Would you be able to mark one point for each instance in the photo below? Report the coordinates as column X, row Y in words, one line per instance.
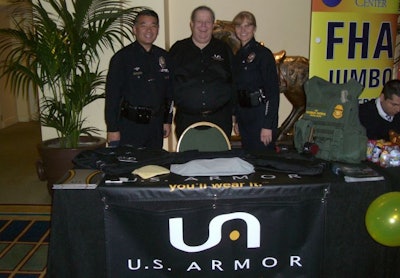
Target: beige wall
column 8, row 106
column 282, row 24
column 13, row 108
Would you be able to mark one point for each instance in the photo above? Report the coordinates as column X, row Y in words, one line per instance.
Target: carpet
column 24, row 240
column 19, row 182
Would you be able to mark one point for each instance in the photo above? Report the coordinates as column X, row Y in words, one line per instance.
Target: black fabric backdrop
column 290, row 227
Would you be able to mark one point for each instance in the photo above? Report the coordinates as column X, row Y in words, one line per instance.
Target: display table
column 264, row 224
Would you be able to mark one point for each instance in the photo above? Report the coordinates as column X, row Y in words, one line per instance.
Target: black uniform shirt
column 142, row 78
column 377, row 127
column 202, row 77
column 254, row 68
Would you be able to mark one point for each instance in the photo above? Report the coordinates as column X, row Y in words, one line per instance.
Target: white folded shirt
column 213, row 167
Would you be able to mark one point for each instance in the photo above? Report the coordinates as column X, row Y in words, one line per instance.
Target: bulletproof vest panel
column 331, row 121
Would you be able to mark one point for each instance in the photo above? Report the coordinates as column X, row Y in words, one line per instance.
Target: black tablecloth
column 78, row 236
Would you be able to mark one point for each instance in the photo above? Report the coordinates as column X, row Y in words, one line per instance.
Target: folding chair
column 204, row 137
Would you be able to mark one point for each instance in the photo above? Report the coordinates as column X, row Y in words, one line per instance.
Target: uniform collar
column 249, row 44
column 211, row 42
column 138, row 45
column 382, row 113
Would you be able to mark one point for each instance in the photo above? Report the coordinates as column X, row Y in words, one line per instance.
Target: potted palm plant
column 54, row 50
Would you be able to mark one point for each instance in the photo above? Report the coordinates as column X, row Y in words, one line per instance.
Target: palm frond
column 56, row 48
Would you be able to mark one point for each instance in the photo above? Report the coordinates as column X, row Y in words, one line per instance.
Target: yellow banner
column 354, row 39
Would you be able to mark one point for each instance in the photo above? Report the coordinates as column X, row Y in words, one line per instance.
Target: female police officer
column 256, row 80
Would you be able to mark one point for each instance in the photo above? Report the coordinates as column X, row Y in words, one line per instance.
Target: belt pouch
column 249, row 99
column 143, row 114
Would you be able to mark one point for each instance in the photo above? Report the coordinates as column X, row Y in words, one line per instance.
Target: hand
column 113, row 136
column 266, row 136
column 236, row 129
column 167, row 130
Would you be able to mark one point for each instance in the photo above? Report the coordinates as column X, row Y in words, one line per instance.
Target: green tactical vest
column 331, row 121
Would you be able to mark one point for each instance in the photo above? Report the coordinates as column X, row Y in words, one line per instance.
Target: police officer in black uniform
column 202, row 77
column 257, row 85
column 139, row 89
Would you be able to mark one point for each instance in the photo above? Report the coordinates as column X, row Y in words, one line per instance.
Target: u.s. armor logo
column 215, row 226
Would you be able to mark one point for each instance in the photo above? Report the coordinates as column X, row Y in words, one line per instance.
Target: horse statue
column 292, row 72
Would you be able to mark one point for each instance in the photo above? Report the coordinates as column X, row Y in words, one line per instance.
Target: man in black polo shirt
column 381, row 115
column 139, row 89
column 203, row 79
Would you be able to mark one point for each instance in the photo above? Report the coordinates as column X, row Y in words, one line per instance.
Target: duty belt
column 138, row 114
column 206, row 112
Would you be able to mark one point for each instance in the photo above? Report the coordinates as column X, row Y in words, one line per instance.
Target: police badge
column 251, row 57
column 163, row 64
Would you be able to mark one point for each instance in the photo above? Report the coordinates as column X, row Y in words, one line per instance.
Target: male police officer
column 139, row 89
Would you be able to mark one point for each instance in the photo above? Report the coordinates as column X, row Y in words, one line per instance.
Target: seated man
column 381, row 115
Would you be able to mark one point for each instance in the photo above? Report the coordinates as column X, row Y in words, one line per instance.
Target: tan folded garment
column 150, row 171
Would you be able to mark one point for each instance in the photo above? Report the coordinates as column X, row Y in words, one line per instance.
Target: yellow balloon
column 383, row 219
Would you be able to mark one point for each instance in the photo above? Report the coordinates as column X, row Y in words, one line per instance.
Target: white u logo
column 253, row 231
